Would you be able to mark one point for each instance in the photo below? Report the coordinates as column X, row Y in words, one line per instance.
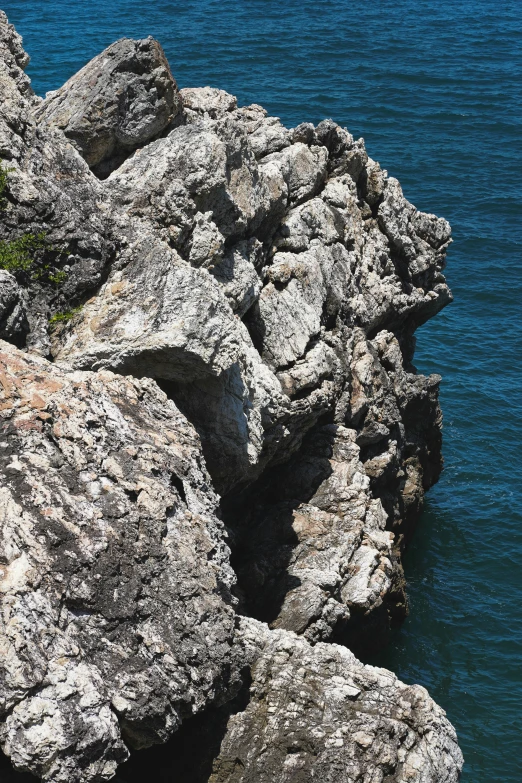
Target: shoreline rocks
column 218, row 304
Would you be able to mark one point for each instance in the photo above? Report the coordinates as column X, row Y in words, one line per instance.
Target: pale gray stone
column 117, row 619
column 207, row 100
column 317, row 713
column 119, row 101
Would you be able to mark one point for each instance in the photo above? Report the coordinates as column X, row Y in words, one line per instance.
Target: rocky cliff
column 214, row 443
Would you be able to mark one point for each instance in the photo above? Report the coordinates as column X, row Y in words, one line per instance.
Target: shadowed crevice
column 189, row 755
column 9, row 775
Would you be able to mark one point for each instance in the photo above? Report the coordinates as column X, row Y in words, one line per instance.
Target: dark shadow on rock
column 261, row 518
column 256, row 327
column 9, row 775
column 366, row 632
column 215, row 407
column 189, row 755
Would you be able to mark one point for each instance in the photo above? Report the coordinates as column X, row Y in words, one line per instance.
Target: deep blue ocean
column 436, row 91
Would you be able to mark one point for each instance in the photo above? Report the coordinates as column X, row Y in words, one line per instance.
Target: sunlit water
column 436, row 91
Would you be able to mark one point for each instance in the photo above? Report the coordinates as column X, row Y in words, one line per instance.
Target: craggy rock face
column 13, row 316
column 114, row 576
column 49, row 190
column 122, row 99
column 316, row 713
column 256, row 289
column 281, row 228
column 318, row 538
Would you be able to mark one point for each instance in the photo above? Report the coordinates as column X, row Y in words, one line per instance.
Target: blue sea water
column 436, row 91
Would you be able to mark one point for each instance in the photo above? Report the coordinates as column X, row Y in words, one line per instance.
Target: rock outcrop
column 212, row 303
column 122, row 99
column 117, row 617
column 316, row 713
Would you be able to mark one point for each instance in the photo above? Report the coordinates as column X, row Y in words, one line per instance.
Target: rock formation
column 119, row 101
column 317, row 713
column 208, row 303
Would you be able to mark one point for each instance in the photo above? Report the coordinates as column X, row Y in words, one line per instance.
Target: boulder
column 118, row 102
column 317, row 713
column 117, row 618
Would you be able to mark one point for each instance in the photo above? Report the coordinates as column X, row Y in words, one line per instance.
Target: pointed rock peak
column 119, row 101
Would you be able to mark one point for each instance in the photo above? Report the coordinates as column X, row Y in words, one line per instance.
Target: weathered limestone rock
column 154, row 304
column 297, row 271
column 318, row 540
column 117, row 618
column 207, row 100
column 317, row 713
column 120, row 100
column 270, row 280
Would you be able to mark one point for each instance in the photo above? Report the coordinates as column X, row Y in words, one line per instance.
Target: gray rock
column 319, row 538
column 117, row 618
column 318, row 549
column 154, row 304
column 119, row 101
column 13, row 58
column 238, row 274
column 265, row 134
column 317, row 713
column 305, row 262
column 13, row 319
column 271, row 281
column 207, row 101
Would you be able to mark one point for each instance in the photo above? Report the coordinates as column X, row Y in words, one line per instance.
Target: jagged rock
column 13, row 318
column 119, row 101
column 317, row 713
column 49, row 191
column 314, row 546
column 117, row 619
column 194, row 189
column 318, row 539
column 398, row 419
column 271, row 281
column 13, row 58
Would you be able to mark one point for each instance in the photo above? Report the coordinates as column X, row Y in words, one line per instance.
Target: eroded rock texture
column 216, row 303
column 316, row 713
column 122, row 99
column 117, row 617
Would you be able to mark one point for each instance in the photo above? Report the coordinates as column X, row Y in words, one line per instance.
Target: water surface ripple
column 436, row 91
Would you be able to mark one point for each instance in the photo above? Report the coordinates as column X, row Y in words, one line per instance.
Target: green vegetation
column 17, row 256
column 58, row 318
column 49, row 274
column 3, row 183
